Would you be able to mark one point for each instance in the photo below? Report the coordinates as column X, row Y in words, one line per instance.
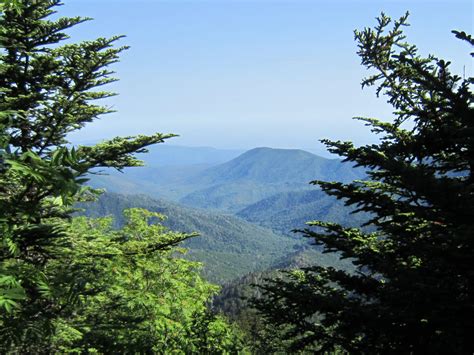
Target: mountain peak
column 270, row 165
column 268, row 150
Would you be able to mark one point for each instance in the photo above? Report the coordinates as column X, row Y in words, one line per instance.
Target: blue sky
column 241, row 74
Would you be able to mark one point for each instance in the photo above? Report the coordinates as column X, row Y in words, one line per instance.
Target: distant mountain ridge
column 260, row 173
column 166, row 171
column 271, row 165
column 175, row 155
column 201, row 180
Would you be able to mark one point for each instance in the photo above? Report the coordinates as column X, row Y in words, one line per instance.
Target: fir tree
column 48, row 90
column 413, row 288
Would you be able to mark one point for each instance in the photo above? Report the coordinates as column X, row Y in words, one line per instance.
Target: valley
column 243, row 206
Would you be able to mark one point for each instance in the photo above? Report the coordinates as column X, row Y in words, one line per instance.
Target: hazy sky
column 241, row 74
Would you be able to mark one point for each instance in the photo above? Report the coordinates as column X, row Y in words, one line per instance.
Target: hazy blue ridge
column 260, row 173
column 172, row 155
column 270, row 165
column 231, row 186
column 175, row 155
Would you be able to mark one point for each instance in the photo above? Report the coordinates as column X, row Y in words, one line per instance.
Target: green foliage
column 232, row 301
column 11, row 292
column 413, row 292
column 143, row 297
column 126, row 290
column 235, row 299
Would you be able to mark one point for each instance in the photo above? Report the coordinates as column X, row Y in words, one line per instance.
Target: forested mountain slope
column 286, row 211
column 233, row 299
column 228, row 246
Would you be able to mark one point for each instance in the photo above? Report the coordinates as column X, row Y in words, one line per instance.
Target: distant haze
column 243, row 74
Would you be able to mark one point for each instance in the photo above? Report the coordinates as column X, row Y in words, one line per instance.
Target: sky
column 251, row 73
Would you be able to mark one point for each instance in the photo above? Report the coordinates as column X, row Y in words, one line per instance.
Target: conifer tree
column 413, row 287
column 48, row 90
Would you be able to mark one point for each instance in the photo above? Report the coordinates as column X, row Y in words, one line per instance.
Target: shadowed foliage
column 413, row 292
